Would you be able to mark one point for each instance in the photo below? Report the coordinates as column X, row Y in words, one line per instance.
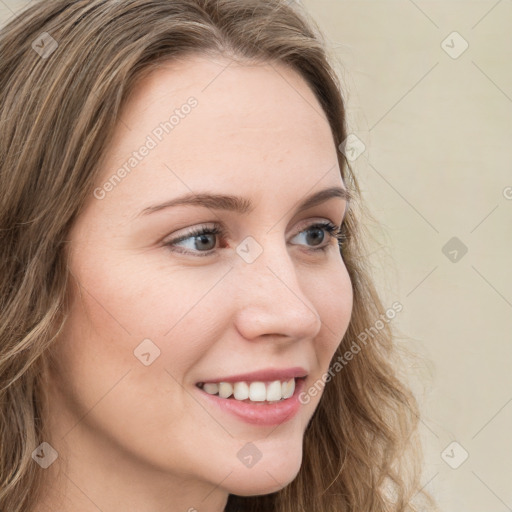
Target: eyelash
column 332, row 230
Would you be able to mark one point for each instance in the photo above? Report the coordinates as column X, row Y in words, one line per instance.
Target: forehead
column 225, row 86
column 232, row 98
column 250, row 124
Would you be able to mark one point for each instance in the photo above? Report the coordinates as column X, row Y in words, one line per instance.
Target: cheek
column 332, row 295
column 121, row 312
column 137, row 295
column 104, row 383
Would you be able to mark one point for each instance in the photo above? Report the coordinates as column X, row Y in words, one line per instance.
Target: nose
column 271, row 301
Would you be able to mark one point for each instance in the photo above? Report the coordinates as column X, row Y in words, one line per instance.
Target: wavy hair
column 57, row 116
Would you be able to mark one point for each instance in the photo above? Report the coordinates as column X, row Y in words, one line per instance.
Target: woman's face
column 158, row 308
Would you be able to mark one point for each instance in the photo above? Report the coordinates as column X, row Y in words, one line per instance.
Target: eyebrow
column 240, row 204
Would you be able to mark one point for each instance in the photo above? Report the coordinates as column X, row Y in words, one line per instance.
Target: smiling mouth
column 257, row 392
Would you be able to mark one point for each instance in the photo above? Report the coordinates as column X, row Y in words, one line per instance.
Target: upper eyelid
column 221, row 232
column 190, row 232
column 333, row 229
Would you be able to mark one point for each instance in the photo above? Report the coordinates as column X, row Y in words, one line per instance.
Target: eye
column 202, row 241
column 320, row 235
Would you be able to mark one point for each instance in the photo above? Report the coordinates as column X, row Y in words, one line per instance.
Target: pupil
column 203, row 240
column 318, row 236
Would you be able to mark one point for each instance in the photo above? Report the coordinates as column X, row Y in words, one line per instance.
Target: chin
column 270, row 474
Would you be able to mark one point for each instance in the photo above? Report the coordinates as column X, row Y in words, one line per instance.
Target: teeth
column 225, row 389
column 241, row 391
column 211, row 387
column 288, row 388
column 274, row 391
column 255, row 391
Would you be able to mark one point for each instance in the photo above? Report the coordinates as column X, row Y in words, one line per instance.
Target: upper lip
column 265, row 375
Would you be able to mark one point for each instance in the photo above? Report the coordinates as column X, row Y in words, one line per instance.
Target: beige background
column 436, row 165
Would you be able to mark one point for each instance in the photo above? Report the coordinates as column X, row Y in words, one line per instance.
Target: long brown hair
column 59, row 103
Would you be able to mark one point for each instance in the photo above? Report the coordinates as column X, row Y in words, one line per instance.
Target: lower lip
column 260, row 413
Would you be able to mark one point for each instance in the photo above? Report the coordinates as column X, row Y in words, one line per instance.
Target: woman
column 141, row 370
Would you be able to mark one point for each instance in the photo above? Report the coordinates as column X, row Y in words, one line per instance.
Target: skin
column 135, row 437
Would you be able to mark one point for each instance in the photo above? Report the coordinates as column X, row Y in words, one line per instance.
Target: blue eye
column 316, row 234
column 200, row 238
column 202, row 241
